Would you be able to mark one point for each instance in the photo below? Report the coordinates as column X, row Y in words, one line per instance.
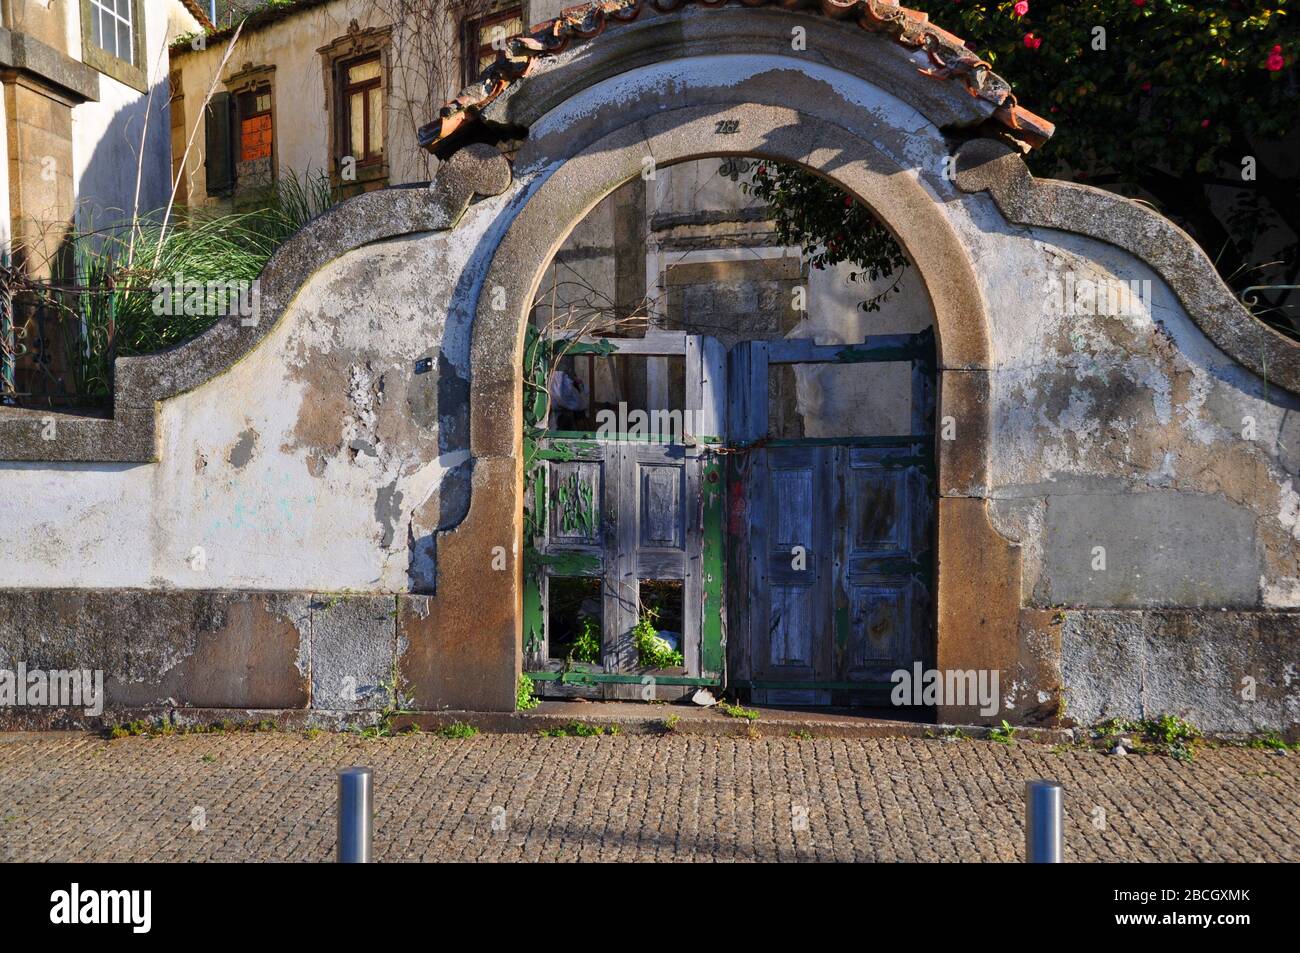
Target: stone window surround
column 356, row 43
column 130, row 74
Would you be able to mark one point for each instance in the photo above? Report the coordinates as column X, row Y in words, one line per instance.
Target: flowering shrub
column 1172, row 102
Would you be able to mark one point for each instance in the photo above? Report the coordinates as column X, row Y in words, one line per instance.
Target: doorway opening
column 729, row 445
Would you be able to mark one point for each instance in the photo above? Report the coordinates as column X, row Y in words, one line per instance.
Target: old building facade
column 333, row 88
column 79, row 80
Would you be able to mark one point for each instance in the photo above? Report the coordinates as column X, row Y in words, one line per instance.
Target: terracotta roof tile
column 949, row 58
column 198, row 13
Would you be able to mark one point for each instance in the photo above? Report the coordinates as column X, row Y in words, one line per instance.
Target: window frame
column 241, row 115
column 357, row 44
column 472, row 50
column 128, row 72
column 251, row 81
column 347, row 90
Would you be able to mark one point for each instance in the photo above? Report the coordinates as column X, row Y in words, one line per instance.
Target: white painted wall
column 109, row 136
column 243, row 497
column 1171, row 419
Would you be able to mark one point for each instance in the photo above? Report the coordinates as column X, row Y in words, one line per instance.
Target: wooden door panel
column 880, row 616
column 790, row 504
column 859, row 508
column 791, row 623
column 662, row 495
column 576, row 502
column 879, row 511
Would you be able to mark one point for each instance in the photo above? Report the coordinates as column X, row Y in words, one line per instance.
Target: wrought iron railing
column 56, row 341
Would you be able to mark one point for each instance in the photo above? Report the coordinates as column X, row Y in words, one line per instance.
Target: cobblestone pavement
column 270, row 796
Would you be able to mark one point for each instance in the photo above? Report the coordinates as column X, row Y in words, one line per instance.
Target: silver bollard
column 1043, row 824
column 355, row 806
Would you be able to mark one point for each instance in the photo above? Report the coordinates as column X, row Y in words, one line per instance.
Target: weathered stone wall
column 367, row 442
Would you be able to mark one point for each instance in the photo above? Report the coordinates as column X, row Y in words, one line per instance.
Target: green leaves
column 651, row 650
column 828, row 225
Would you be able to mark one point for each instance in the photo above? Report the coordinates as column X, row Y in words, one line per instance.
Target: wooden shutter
column 219, row 153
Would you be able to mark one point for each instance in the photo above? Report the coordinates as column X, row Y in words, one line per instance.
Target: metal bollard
column 355, row 807
column 1043, row 824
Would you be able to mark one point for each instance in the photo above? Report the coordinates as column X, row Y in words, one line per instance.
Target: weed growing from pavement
column 458, row 729
column 399, row 702
column 1004, row 733
column 526, row 694
column 1167, row 734
column 162, row 728
column 738, row 711
column 581, row 729
column 1271, row 741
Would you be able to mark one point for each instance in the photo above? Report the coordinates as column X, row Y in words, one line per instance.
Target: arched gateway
column 1110, row 536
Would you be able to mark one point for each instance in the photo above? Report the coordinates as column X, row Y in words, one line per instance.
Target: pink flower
column 1205, row 124
column 1139, row 3
column 1032, row 42
column 1146, row 87
column 1275, row 59
column 1021, row 8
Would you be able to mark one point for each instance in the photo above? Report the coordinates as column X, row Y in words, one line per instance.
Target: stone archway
column 589, row 142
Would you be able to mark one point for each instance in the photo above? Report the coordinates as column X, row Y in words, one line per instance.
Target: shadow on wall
column 107, row 187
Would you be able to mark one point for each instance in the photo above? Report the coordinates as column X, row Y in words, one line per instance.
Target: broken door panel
column 627, row 507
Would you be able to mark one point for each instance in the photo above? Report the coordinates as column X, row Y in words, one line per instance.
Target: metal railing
column 56, row 341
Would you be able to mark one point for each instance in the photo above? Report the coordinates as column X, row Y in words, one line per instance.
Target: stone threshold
column 629, row 718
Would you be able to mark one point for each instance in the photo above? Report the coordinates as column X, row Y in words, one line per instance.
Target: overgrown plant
column 586, row 647
column 135, row 287
column 652, row 650
column 526, row 694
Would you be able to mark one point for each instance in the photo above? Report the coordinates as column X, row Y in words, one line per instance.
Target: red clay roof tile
column 948, row 55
